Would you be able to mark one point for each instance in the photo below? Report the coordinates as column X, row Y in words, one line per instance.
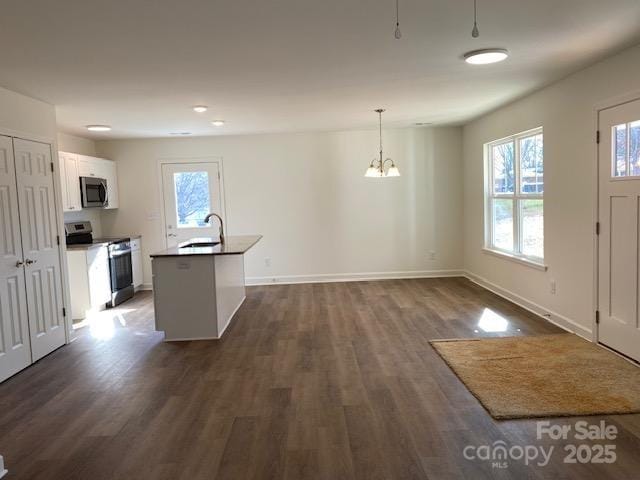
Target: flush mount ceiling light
column 200, row 108
column 218, row 123
column 376, row 167
column 486, row 56
column 98, row 128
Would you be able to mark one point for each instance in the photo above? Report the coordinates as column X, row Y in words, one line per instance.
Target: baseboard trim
column 558, row 320
column 350, row 277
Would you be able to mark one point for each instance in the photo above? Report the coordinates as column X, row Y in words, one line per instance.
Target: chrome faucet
column 208, row 217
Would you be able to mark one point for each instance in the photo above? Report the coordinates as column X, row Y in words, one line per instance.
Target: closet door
column 15, row 351
column 39, row 231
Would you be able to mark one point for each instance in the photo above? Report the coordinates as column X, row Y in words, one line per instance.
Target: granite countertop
column 99, row 242
column 233, row 245
column 87, row 246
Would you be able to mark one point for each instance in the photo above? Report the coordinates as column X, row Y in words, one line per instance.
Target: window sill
column 514, row 258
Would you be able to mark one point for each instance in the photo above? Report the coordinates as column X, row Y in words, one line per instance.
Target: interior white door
column 15, row 349
column 39, row 231
column 190, row 191
column 619, row 242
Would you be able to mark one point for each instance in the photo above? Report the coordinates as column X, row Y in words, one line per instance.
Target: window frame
column 517, row 198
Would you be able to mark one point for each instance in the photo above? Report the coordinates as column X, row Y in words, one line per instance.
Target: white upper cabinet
column 111, row 175
column 69, row 179
column 73, row 166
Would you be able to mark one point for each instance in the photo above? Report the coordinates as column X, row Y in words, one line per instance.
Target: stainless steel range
column 119, row 249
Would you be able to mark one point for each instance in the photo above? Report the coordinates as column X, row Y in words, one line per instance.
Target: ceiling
column 292, row 65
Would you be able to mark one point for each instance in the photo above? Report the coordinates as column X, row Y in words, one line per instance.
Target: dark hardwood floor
column 330, row 381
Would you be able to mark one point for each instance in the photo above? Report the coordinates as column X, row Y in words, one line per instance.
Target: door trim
column 177, row 160
column 597, row 109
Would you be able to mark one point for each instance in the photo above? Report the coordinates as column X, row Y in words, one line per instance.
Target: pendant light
column 398, row 33
column 475, row 33
column 376, row 167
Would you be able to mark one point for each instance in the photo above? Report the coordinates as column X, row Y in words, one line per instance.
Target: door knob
column 171, row 235
column 19, row 263
column 28, row 261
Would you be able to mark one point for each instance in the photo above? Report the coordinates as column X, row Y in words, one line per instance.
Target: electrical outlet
column 432, row 255
column 552, row 287
column 267, row 262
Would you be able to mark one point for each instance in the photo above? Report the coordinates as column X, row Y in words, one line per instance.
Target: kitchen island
column 198, row 286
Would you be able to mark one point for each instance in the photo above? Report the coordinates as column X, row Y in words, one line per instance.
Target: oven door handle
column 119, row 253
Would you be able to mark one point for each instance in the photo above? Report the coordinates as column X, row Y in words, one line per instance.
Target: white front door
column 39, row 229
column 619, row 241
column 191, row 191
column 15, row 350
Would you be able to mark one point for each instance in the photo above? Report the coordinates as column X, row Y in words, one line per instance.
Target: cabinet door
column 112, row 183
column 15, row 349
column 136, row 265
column 63, row 181
column 39, row 229
column 99, row 277
column 72, row 182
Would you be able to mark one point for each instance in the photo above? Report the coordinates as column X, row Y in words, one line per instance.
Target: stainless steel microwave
column 94, row 192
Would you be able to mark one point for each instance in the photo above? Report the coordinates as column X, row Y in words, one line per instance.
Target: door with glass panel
column 619, row 213
column 191, row 191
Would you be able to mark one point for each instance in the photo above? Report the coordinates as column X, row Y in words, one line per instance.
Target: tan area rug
column 543, row 376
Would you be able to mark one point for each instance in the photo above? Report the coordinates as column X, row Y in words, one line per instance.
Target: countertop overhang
column 233, row 245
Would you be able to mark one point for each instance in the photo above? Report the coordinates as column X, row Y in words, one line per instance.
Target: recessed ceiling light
column 218, row 123
column 200, row 108
column 483, row 57
column 98, row 128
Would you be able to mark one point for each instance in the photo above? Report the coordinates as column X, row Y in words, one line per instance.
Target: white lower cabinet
column 89, row 280
column 136, row 263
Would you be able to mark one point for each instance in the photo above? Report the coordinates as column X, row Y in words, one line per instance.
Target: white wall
column 82, row 146
column 307, row 195
column 74, row 144
column 28, row 117
column 566, row 111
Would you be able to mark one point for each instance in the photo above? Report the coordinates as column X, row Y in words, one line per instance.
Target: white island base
column 196, row 296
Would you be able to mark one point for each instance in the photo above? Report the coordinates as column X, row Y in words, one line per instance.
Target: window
column 515, row 189
column 626, row 150
column 192, row 198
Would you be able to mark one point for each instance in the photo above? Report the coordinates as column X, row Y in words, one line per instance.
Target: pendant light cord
column 397, row 33
column 380, row 123
column 475, row 33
